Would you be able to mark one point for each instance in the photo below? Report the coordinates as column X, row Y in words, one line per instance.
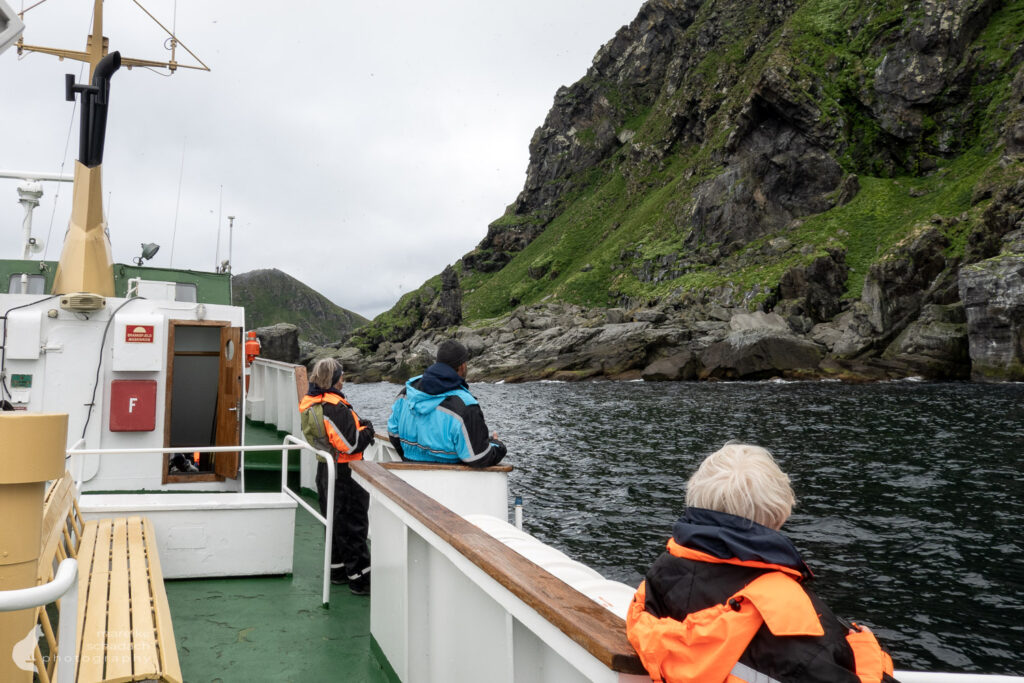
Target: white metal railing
column 328, row 522
column 63, row 587
column 429, row 565
column 272, row 396
column 928, row 677
column 290, row 444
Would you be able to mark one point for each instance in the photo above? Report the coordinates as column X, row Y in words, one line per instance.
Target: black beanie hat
column 452, row 353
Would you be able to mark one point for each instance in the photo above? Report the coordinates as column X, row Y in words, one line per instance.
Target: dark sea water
column 910, row 495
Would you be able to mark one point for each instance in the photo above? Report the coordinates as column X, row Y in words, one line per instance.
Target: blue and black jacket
column 436, row 419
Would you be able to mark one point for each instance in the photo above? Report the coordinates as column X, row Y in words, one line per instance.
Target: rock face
column 279, row 342
column 750, row 191
column 993, row 296
column 759, row 354
column 448, row 309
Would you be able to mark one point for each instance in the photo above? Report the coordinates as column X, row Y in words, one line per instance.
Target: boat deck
column 274, row 628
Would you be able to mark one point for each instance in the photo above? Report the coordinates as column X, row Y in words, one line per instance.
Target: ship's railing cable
column 24, row 9
column 99, row 363
column 3, row 347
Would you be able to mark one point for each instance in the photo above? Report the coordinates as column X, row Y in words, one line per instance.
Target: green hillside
column 271, row 296
column 709, row 133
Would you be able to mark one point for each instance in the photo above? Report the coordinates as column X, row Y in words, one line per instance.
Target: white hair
column 745, row 481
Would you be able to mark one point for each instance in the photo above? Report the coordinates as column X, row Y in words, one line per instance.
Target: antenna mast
column 96, row 47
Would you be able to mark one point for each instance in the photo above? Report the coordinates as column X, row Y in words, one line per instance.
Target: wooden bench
column 61, row 535
column 124, row 621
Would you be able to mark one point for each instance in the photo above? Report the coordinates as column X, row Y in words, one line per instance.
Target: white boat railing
column 928, row 677
column 328, row 520
column 433, row 569
column 273, row 396
column 290, row 444
column 64, row 586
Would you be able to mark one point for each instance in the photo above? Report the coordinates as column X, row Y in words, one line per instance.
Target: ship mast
column 86, row 267
column 97, row 46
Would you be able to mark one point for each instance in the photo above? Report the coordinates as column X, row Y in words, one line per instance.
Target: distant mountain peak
column 272, row 296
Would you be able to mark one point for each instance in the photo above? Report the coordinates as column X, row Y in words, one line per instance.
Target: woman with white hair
column 728, row 600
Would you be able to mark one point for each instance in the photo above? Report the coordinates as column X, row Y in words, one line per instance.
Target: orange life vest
column 707, row 645
column 331, row 437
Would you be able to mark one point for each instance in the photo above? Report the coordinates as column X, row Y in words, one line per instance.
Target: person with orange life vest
column 329, row 423
column 728, row 601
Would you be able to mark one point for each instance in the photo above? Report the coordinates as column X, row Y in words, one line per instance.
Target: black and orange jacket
column 345, row 433
column 728, row 602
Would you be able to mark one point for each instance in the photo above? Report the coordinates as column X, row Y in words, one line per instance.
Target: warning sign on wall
column 138, row 334
column 133, row 405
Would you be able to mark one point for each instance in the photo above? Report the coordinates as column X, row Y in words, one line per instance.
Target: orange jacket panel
column 869, row 657
column 705, row 646
column 341, row 445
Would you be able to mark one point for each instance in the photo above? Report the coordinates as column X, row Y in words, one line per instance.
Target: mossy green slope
column 271, row 296
column 619, row 233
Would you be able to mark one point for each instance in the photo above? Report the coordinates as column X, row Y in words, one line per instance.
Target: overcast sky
column 361, row 146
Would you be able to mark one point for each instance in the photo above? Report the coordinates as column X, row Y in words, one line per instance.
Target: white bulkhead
column 137, row 373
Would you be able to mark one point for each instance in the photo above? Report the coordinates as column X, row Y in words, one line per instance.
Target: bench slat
column 119, row 625
column 164, row 631
column 56, row 508
column 143, row 629
column 124, row 622
column 93, row 603
column 85, row 550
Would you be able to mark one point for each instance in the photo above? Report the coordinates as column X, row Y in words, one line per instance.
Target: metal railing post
column 64, row 587
column 332, row 472
column 328, row 519
column 67, row 636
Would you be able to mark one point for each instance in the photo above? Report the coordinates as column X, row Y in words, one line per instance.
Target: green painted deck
column 263, row 470
column 274, row 628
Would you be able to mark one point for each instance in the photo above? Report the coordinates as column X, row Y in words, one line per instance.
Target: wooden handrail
column 410, row 465
column 594, row 628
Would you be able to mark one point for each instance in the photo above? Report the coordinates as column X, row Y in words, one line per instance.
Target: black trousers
column 351, row 501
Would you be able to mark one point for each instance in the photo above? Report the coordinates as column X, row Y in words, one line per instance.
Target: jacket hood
column 727, row 536
column 426, row 392
column 440, row 378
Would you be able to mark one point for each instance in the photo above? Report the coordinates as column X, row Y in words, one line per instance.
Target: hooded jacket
column 341, row 431
column 729, row 602
column 436, row 419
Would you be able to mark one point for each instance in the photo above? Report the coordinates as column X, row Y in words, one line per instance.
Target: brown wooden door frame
column 229, row 468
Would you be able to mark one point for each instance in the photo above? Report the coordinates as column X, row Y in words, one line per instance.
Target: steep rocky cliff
column 271, row 296
column 848, row 171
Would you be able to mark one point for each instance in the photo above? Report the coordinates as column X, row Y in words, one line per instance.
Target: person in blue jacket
column 436, row 419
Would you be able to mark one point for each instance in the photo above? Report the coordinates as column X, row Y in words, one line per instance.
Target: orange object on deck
column 252, row 347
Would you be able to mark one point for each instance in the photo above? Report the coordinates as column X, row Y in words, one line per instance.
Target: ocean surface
column 910, row 494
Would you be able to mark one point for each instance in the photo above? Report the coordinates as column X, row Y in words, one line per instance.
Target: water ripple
column 910, row 493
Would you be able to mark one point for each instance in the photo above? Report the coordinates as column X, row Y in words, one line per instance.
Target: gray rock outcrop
column 279, row 342
column 993, row 296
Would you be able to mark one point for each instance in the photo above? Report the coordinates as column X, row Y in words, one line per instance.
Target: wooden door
column 229, row 401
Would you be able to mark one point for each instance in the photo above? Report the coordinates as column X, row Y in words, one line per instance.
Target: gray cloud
column 361, row 146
